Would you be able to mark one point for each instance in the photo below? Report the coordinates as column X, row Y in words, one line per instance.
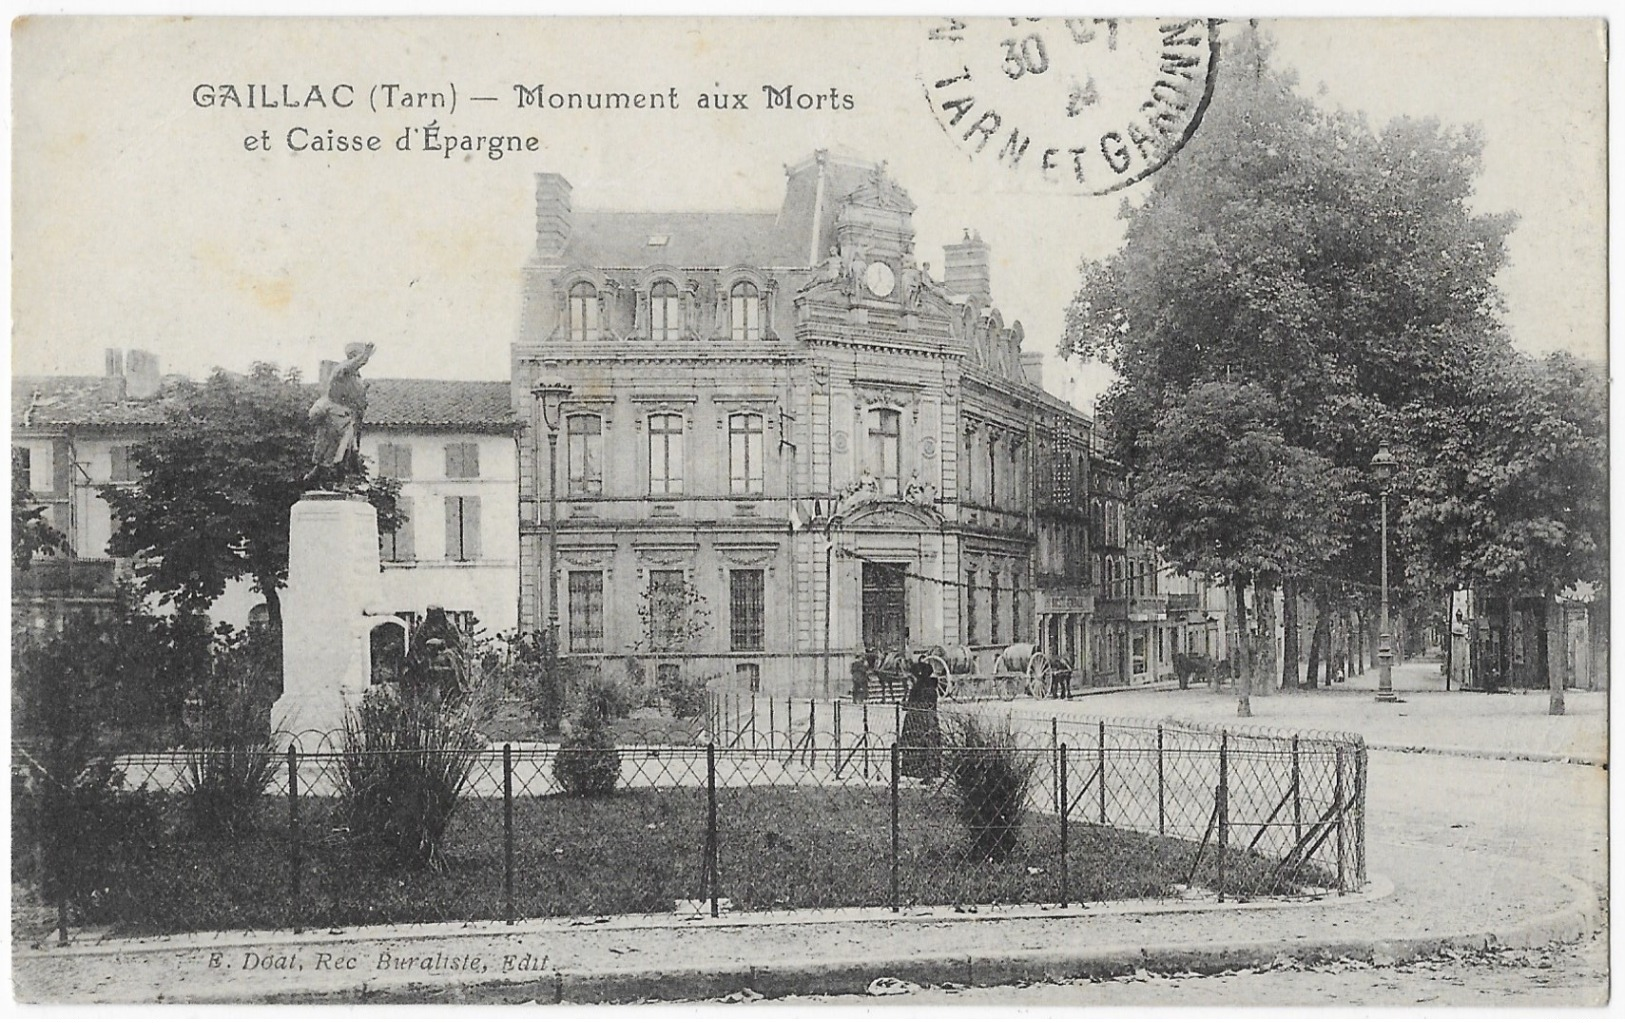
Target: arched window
column 665, row 312
column 885, row 444
column 585, row 439
column 583, row 312
column 745, row 312
column 745, row 453
column 665, row 453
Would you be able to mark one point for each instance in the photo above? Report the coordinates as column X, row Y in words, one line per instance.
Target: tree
column 1339, row 267
column 31, row 532
column 215, row 488
column 1512, row 490
column 1220, row 491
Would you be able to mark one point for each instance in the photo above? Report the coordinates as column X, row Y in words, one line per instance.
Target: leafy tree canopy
column 31, row 532
column 216, row 485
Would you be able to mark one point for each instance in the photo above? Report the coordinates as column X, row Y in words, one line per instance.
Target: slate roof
column 475, row 406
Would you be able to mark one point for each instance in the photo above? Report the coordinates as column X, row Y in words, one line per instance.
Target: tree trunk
column 1267, row 673
column 273, row 605
column 1289, row 635
column 1317, row 646
column 1552, row 654
column 1244, row 681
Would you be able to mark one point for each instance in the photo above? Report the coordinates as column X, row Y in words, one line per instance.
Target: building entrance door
column 885, row 607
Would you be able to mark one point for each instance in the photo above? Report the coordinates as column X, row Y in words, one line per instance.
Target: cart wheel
column 1038, row 681
column 939, row 668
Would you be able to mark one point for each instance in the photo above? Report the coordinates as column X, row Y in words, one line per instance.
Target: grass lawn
column 641, row 850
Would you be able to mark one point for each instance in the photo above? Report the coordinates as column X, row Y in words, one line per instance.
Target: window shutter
column 454, row 462
column 454, row 536
column 471, row 527
column 404, row 550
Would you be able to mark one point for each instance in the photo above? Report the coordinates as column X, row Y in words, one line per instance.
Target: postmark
column 1083, row 105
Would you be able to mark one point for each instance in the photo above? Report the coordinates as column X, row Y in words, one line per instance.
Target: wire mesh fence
column 781, row 806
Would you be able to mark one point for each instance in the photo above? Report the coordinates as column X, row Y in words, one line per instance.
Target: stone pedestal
column 333, row 582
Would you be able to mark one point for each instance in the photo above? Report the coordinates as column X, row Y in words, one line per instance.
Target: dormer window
column 665, row 312
column 745, row 312
column 582, row 322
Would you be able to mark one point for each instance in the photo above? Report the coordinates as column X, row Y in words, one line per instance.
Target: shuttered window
column 462, row 528
column 397, row 546
column 462, row 461
column 395, row 461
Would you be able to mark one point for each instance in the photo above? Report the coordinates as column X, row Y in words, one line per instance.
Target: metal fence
column 810, row 805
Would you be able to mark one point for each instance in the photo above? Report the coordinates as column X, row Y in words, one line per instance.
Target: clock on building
column 879, row 279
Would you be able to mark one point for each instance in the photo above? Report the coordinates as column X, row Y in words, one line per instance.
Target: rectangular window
column 462, row 461
column 666, row 611
column 747, row 609
column 22, row 467
column 885, row 439
column 462, row 528
column 33, row 464
column 397, row 546
column 745, row 453
column 666, row 453
column 123, row 465
column 586, row 612
column 748, row 677
column 1017, row 633
column 395, row 461
column 1138, row 656
column 585, row 441
column 970, row 608
column 993, row 608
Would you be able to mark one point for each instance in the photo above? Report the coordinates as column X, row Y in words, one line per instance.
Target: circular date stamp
column 1085, row 105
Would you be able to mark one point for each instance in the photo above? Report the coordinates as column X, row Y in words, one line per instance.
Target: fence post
column 294, row 866
column 1101, row 746
column 1297, row 802
column 789, row 725
column 837, row 714
column 1223, row 799
column 1063, row 806
column 812, row 733
column 894, row 781
column 712, row 871
column 507, row 829
column 866, row 762
column 753, row 742
column 1337, row 796
column 1162, row 812
column 897, row 723
column 1360, row 780
column 1055, row 757
column 772, row 726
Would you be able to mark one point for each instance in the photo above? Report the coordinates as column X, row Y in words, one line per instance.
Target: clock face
column 879, row 279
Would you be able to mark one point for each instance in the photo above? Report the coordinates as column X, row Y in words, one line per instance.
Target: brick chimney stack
column 552, row 216
column 967, row 270
column 141, row 376
column 112, row 386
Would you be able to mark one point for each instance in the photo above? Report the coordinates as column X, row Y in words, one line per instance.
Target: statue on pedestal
column 337, row 416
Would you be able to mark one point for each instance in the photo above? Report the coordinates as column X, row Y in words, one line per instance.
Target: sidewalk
column 1508, row 725
column 1430, row 897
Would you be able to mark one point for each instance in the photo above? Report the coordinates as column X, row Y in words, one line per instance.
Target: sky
column 140, row 220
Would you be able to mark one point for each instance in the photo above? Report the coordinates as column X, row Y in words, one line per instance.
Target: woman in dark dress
column 920, row 755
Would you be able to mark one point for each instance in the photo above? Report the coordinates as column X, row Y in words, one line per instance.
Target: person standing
column 920, row 745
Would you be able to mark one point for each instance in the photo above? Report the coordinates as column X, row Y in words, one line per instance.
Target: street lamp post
column 1382, row 467
column 551, row 397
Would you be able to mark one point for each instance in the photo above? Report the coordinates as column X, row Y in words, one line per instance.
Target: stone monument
column 333, row 597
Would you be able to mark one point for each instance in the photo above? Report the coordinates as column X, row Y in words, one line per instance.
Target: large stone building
column 787, row 439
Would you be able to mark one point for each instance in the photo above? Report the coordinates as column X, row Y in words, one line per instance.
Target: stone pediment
column 890, row 512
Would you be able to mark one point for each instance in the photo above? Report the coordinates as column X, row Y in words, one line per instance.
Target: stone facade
column 788, row 440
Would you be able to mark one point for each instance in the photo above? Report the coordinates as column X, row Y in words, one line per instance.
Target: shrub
column 403, row 773
column 588, row 764
column 991, row 779
column 90, row 834
column 684, row 695
column 232, row 761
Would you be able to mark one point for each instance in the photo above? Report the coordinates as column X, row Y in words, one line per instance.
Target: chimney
column 112, row 387
column 967, row 270
column 141, row 377
column 552, row 216
column 1032, row 366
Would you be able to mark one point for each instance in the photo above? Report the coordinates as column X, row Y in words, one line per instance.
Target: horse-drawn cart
column 1018, row 670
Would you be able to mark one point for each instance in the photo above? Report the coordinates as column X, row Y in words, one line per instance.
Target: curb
column 814, row 976
column 1477, row 754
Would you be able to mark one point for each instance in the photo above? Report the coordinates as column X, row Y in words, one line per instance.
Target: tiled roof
column 480, row 406
column 616, row 238
column 50, row 401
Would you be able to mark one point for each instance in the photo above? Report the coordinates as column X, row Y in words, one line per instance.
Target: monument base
column 333, row 581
